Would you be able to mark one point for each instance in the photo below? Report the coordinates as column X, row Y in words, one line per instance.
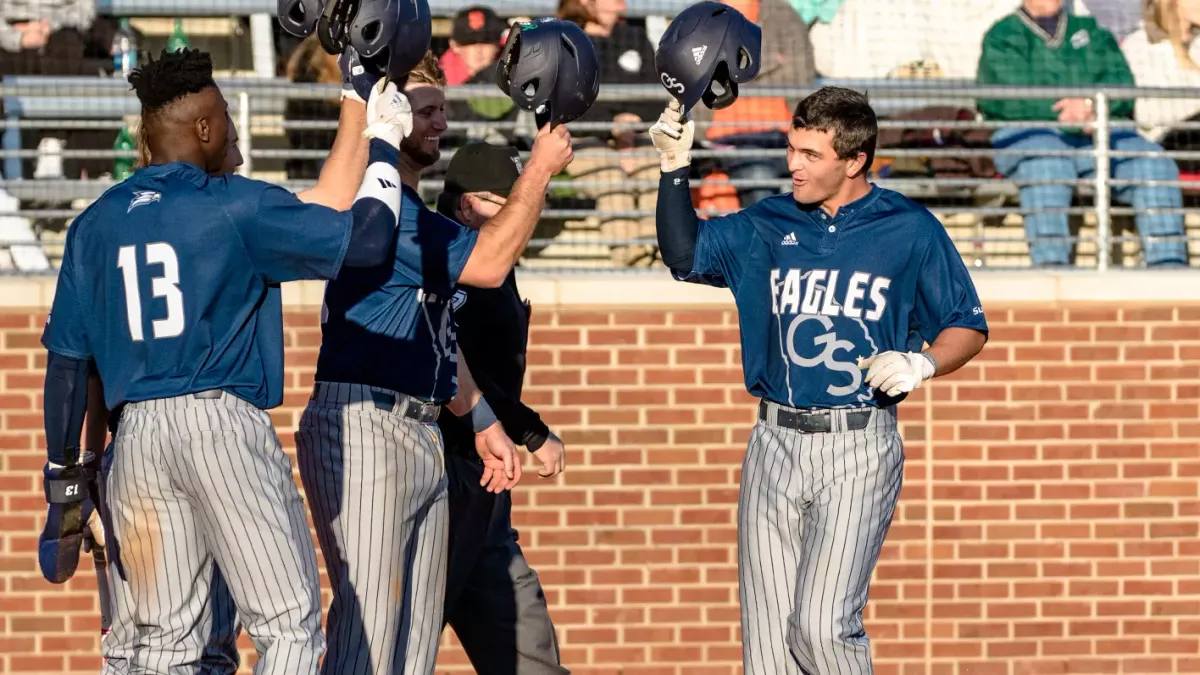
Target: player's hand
column 71, row 519
column 389, row 114
column 896, row 373
column 553, row 456
column 501, row 470
column 672, row 135
column 552, row 150
column 356, row 81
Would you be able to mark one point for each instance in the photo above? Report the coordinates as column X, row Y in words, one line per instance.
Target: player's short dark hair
column 171, row 77
column 846, row 114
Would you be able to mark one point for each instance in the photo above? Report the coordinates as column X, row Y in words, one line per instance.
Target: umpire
column 494, row 601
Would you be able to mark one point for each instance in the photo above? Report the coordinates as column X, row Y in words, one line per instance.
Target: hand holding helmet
column 552, row 150
column 672, row 135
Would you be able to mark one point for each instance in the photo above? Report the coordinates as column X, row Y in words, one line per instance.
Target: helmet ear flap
column 377, row 65
column 508, row 58
column 299, row 17
column 722, row 91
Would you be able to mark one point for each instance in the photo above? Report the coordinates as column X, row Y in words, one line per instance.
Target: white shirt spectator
column 869, row 39
column 1155, row 64
column 57, row 14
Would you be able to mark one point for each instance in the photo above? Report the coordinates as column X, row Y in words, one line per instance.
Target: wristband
column 932, row 362
column 481, row 416
column 538, row 441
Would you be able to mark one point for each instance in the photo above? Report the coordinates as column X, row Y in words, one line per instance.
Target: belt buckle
column 427, row 412
column 814, row 421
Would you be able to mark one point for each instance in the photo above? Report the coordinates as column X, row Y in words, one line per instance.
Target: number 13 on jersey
column 165, row 285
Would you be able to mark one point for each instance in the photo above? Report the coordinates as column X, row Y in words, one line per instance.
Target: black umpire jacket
column 493, row 336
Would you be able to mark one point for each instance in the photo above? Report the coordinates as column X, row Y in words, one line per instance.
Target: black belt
column 424, row 412
column 813, row 421
column 114, row 415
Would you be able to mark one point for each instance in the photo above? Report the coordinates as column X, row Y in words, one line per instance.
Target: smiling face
column 817, row 171
column 429, row 123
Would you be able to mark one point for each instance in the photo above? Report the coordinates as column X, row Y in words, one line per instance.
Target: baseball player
column 169, row 284
column 838, row 285
column 369, row 451
column 216, row 630
column 494, row 600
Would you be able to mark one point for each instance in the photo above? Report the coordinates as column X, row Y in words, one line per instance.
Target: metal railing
column 257, row 106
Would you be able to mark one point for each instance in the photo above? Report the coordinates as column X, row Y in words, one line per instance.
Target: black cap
column 477, row 25
column 483, row 167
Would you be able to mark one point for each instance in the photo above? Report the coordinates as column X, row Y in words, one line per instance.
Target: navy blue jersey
column 170, row 282
column 392, row 326
column 815, row 293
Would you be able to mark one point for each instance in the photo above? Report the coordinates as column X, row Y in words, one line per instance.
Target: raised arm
column 503, row 238
column 675, row 217
column 346, row 165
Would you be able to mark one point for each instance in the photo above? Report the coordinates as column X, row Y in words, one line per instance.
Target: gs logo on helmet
column 671, row 83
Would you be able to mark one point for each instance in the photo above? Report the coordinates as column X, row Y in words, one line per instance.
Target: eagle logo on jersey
column 142, row 198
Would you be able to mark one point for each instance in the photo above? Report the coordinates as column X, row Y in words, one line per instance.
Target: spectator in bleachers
column 476, row 36
column 310, row 63
column 1120, row 17
column 1164, row 52
column 626, row 56
column 28, row 26
column 868, row 39
column 762, row 123
column 58, row 37
column 474, row 44
column 1040, row 44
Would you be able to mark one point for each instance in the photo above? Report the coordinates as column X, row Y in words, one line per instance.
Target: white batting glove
column 672, row 136
column 896, row 373
column 389, row 114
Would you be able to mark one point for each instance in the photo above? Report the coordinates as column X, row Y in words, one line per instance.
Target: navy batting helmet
column 549, row 66
column 390, row 36
column 299, row 17
column 708, row 49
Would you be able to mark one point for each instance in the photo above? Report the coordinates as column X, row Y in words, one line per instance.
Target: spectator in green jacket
column 1040, row 44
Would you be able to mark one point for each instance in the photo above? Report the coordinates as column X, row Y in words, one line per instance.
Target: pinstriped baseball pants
column 193, row 483
column 376, row 484
column 813, row 512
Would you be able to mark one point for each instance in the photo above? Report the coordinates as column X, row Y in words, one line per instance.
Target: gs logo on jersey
column 821, row 330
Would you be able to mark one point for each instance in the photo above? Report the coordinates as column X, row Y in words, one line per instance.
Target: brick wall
column 1048, row 522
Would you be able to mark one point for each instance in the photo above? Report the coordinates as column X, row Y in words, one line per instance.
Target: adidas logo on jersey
column 698, row 53
column 789, row 239
column 385, row 184
column 142, row 198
